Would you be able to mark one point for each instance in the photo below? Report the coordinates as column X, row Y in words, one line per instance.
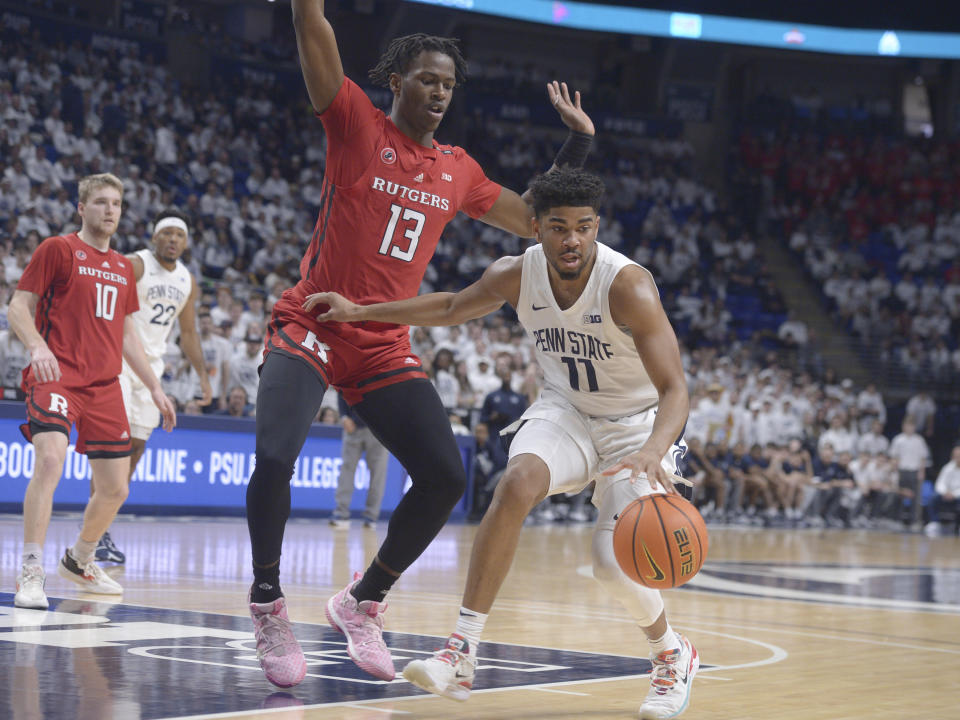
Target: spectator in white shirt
column 217, row 351
column 873, row 442
column 912, row 456
column 275, row 186
column 444, row 378
column 839, row 436
column 792, row 332
column 946, row 494
column 483, row 379
column 715, row 410
column 244, row 364
column 921, row 408
column 871, row 407
column 38, row 168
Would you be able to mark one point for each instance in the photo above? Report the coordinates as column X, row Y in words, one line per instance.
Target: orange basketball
column 660, row 541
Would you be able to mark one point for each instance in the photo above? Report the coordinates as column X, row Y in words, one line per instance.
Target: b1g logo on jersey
column 589, row 319
column 388, row 155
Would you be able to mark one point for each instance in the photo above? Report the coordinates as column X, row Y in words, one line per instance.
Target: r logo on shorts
column 58, row 404
column 311, row 343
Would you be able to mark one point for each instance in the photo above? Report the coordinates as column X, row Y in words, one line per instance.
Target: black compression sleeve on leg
column 288, row 399
column 409, row 419
column 574, row 151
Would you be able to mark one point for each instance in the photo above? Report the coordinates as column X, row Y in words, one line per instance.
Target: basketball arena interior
column 789, row 175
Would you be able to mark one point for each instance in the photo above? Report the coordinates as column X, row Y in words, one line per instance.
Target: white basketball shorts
column 576, row 448
column 142, row 414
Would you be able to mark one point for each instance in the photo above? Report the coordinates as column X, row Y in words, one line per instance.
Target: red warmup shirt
column 85, row 295
column 385, row 201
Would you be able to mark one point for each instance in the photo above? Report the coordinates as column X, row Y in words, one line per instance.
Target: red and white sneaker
column 449, row 672
column 362, row 623
column 671, row 682
column 278, row 651
column 88, row 576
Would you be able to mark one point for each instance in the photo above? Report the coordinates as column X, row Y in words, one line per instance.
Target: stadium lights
column 717, row 28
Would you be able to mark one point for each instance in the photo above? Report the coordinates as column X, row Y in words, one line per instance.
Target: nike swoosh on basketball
column 544, row 307
column 653, row 565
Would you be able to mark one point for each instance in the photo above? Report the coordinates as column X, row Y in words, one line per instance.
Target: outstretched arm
column 635, row 304
column 499, row 283
column 512, row 212
column 319, row 56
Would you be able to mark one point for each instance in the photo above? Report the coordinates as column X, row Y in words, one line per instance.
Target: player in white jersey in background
column 612, row 409
column 166, row 291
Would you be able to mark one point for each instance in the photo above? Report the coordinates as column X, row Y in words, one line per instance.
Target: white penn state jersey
column 162, row 294
column 585, row 356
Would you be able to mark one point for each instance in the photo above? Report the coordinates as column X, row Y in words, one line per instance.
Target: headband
column 170, row 222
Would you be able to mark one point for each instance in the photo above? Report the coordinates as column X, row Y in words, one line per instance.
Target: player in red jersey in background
column 72, row 310
column 389, row 191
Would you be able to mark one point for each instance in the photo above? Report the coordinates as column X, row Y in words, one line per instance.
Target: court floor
column 811, row 624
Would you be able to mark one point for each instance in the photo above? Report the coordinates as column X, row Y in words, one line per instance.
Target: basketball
column 660, row 541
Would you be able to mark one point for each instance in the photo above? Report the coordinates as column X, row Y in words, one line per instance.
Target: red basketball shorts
column 351, row 369
column 98, row 413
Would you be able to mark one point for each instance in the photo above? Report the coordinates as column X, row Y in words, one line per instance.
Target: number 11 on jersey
column 591, row 373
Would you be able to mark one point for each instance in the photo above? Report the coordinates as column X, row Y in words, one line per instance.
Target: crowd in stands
column 875, row 221
column 769, row 442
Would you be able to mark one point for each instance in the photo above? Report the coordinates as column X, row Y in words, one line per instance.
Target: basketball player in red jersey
column 72, row 310
column 388, row 192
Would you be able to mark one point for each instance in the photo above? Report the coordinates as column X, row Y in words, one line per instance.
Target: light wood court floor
column 790, row 624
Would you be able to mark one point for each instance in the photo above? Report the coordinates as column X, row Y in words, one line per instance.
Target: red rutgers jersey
column 85, row 295
column 385, row 201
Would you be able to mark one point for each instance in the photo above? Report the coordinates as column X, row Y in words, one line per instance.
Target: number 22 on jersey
column 411, row 232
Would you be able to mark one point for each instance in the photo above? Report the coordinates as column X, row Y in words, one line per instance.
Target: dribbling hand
column 340, row 309
column 570, row 111
column 643, row 465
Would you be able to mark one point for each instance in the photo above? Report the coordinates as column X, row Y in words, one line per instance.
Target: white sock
column 470, row 626
column 669, row 641
column 82, row 551
column 32, row 554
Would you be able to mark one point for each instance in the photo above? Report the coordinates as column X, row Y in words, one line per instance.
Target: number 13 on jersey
column 411, row 232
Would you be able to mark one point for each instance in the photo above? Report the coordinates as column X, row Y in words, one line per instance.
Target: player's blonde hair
column 92, row 182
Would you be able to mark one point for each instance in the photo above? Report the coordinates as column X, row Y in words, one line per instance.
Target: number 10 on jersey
column 106, row 301
column 412, row 233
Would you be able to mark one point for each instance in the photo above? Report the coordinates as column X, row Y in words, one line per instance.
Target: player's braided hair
column 402, row 50
column 566, row 187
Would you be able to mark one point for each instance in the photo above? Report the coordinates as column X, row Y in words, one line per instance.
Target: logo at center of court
column 388, row 155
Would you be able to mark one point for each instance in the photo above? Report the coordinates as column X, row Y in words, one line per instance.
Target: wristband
column 574, row 150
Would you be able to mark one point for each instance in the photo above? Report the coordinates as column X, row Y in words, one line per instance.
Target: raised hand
column 570, row 111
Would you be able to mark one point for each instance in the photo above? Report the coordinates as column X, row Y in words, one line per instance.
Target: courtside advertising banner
column 204, row 466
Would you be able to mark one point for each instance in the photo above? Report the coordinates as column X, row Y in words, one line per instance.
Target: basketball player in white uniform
column 166, row 291
column 613, row 409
